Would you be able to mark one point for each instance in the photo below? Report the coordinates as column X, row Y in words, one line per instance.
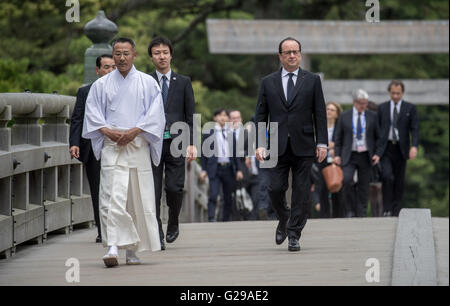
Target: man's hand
column 337, row 160
column 191, row 153
column 111, row 134
column 239, row 175
column 375, row 159
column 248, row 162
column 413, row 153
column 75, row 151
column 321, row 154
column 331, row 148
column 128, row 136
column 261, row 153
column 203, row 176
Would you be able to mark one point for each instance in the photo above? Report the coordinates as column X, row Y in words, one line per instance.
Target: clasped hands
column 121, row 138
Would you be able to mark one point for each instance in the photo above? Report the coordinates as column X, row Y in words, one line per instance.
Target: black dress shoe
column 98, row 239
column 293, row 246
column 172, row 236
column 281, row 232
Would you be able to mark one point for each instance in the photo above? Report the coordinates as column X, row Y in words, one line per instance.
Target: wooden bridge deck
column 334, row 252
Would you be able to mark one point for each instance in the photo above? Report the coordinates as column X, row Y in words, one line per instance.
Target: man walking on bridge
column 293, row 98
column 124, row 119
column 179, row 106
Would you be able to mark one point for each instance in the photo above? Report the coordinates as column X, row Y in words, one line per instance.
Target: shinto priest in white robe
column 127, row 194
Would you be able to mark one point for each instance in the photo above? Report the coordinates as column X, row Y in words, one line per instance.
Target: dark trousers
column 264, row 202
column 356, row 197
column 393, row 178
column 301, row 185
column 93, row 167
column 263, row 189
column 174, row 169
column 225, row 178
column 253, row 190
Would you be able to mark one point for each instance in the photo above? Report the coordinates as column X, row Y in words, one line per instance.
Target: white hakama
column 127, row 196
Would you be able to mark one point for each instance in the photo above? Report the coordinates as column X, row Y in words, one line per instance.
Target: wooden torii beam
column 341, row 37
column 328, row 37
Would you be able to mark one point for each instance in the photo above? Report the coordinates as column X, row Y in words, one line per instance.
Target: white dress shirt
column 160, row 75
column 285, row 79
column 223, row 149
column 355, row 125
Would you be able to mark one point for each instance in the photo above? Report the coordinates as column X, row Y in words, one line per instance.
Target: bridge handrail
column 42, row 189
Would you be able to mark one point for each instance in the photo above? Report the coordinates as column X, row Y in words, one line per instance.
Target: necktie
column 224, row 135
column 165, row 89
column 359, row 128
column 394, row 124
column 290, row 87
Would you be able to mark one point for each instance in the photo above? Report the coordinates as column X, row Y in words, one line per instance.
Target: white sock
column 113, row 250
column 131, row 254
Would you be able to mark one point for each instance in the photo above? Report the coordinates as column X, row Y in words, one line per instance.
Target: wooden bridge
column 334, row 252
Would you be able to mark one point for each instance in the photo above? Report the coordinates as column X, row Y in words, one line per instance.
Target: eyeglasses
column 293, row 52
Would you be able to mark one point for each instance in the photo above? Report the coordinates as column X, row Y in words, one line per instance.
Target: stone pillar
column 100, row 31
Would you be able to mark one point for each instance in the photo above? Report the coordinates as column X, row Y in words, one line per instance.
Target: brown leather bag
column 334, row 177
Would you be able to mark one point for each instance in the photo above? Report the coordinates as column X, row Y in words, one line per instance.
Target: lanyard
column 363, row 124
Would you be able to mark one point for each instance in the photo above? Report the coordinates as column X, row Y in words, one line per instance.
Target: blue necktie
column 165, row 89
column 290, row 87
column 359, row 128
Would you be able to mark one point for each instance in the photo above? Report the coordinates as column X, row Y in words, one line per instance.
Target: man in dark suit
column 292, row 98
column 357, row 147
column 240, row 135
column 81, row 148
column 220, row 165
column 398, row 122
column 179, row 106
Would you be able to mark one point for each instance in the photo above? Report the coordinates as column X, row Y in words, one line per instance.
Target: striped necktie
column 165, row 89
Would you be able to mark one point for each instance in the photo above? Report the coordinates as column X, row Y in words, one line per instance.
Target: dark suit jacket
column 408, row 122
column 76, row 125
column 209, row 164
column 344, row 135
column 180, row 102
column 303, row 118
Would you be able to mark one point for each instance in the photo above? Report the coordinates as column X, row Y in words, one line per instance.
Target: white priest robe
column 127, row 196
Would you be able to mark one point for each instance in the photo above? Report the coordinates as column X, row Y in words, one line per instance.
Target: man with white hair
column 357, row 148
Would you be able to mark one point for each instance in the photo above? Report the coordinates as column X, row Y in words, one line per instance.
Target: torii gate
column 341, row 37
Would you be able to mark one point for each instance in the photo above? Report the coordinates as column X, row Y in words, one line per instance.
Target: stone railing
column 42, row 189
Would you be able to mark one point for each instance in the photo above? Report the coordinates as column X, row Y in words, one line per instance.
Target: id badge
column 360, row 147
column 329, row 159
column 167, row 135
